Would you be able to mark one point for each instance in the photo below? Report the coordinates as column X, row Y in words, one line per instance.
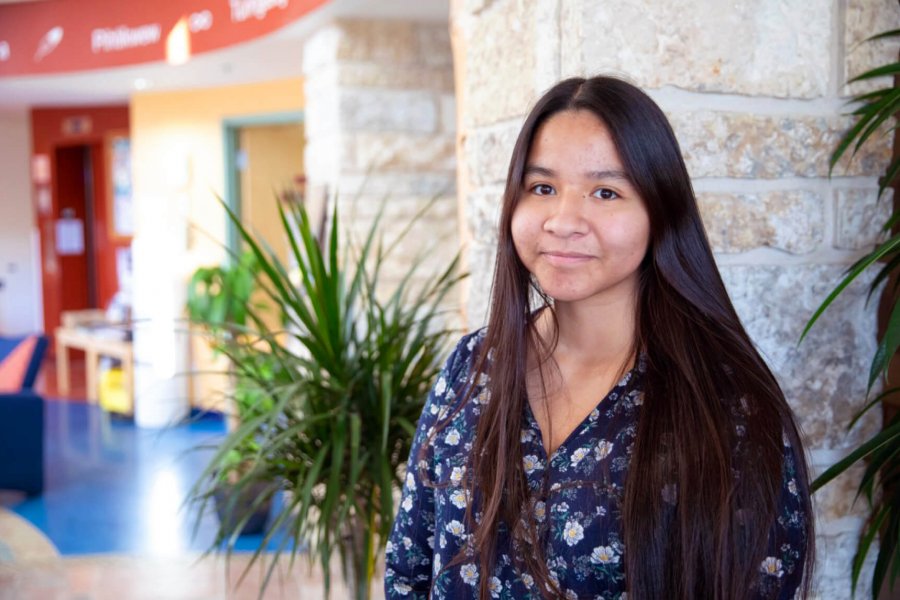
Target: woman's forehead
column 573, row 142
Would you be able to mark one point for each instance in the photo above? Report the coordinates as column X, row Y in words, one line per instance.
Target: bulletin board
column 119, row 190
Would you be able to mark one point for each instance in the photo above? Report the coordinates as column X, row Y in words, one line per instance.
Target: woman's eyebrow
column 604, row 174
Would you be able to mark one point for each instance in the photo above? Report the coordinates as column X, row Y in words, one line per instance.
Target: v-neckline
column 626, row 378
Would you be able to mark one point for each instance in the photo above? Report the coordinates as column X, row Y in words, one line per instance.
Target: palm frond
column 328, row 413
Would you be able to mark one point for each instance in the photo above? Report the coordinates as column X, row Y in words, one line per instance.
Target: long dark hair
column 702, row 374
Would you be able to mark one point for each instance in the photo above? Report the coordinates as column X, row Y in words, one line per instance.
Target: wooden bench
column 76, row 333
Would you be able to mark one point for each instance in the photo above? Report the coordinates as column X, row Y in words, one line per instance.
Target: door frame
column 230, row 129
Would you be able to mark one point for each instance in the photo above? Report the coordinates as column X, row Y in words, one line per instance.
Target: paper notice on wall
column 69, row 237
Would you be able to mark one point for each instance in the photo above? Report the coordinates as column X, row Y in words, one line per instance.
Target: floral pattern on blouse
column 584, row 548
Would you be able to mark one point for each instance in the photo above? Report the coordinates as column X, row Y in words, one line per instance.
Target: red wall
column 64, row 279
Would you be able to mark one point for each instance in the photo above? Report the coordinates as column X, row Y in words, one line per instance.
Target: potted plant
column 880, row 483
column 346, row 380
column 218, row 300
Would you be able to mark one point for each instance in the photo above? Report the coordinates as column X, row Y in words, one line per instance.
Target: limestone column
column 755, row 93
column 380, row 123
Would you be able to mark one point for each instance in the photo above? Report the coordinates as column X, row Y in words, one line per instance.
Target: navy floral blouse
column 584, row 548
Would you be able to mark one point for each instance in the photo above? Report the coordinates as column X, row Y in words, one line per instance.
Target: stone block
column 324, row 155
column 500, row 47
column 388, row 110
column 433, row 41
column 837, row 500
column 448, row 113
column 862, row 20
column 753, row 48
column 488, row 152
column 396, row 184
column 823, row 378
column 792, row 221
column 405, row 77
column 321, row 48
column 860, row 218
column 727, row 144
column 834, row 559
column 430, row 243
column 404, row 151
column 480, row 259
column 392, row 42
column 483, row 214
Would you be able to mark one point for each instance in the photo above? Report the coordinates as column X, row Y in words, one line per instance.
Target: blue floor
column 114, row 488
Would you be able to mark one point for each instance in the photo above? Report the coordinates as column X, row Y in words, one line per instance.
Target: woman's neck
column 598, row 335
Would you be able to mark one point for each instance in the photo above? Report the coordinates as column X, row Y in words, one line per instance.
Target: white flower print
column 407, row 543
column 452, row 438
column 389, row 547
column 771, row 566
column 792, row 486
column 410, row 481
column 578, row 456
column 530, row 462
column 458, row 498
column 438, row 469
column 604, row 555
column 495, row 586
column 570, row 595
column 457, row 475
column 528, row 580
column 440, row 387
column 573, row 533
column 430, row 541
column 603, row 449
column 456, row 528
column 436, row 566
column 469, row 573
column 434, row 409
column 526, row 436
column 407, row 503
column 540, row 511
column 402, row 588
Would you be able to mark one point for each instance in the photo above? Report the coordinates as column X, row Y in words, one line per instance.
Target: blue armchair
column 21, row 415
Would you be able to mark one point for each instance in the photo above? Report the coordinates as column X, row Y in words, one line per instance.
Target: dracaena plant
column 874, row 112
column 339, row 389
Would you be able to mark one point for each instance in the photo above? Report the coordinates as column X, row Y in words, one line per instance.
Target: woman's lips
column 565, row 258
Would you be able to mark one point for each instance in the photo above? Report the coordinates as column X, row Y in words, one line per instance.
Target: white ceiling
column 274, row 56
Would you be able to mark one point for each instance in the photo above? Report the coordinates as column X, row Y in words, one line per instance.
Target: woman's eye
column 606, row 194
column 542, row 189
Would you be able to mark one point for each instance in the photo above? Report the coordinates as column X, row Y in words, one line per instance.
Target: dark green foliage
column 336, row 393
column 881, row 480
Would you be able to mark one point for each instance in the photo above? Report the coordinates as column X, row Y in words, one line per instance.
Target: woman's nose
column 566, row 217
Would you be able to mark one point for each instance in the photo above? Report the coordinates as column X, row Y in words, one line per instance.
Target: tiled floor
column 111, row 487
column 113, row 508
column 46, row 380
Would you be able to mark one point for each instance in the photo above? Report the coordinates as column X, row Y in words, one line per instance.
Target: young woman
column 612, row 431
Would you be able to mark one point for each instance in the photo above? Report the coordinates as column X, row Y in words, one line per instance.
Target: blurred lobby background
column 123, row 123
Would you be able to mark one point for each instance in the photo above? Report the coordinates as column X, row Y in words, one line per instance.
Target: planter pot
column 232, row 511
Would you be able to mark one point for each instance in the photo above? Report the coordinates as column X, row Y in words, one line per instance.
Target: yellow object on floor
column 114, row 397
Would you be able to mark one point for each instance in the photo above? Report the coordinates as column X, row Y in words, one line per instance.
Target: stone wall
column 755, row 92
column 381, row 131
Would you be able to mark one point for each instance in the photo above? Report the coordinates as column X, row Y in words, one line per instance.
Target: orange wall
column 49, row 133
column 178, row 169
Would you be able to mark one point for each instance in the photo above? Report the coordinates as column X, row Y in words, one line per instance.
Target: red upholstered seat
column 14, row 366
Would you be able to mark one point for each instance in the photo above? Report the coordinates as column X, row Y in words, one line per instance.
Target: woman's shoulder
column 466, row 351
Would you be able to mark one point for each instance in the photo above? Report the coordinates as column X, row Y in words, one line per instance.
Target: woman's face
column 579, row 225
